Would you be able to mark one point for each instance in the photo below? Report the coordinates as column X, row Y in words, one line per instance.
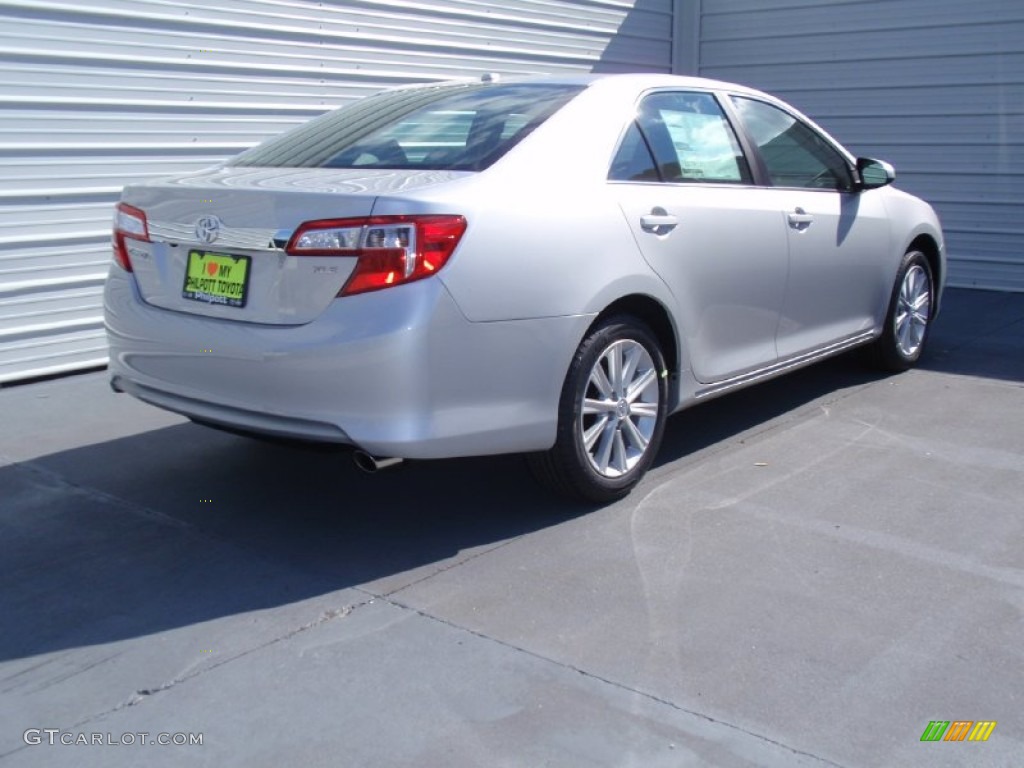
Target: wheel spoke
column 604, row 450
column 903, row 336
column 614, row 356
column 619, row 452
column 921, row 310
column 637, row 387
column 909, row 289
column 600, row 381
column 590, row 435
column 902, row 318
column 920, row 285
column 922, row 302
column 592, row 406
column 633, row 357
column 644, row 410
column 636, row 438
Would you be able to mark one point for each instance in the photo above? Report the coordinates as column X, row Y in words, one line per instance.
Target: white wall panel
column 95, row 94
column 935, row 86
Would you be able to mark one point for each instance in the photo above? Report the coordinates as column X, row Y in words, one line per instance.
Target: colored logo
column 207, row 229
column 958, row 730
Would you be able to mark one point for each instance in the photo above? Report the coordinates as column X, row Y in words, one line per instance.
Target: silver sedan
column 546, row 266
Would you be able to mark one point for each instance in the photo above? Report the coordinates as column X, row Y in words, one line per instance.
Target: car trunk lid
column 217, row 238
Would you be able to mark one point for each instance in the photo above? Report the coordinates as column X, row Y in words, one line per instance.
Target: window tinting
column 633, row 161
column 795, row 155
column 691, row 139
column 450, row 127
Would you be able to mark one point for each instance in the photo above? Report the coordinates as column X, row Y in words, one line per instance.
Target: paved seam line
column 322, row 619
column 142, row 694
column 606, row 681
column 191, row 530
column 441, row 570
column 97, row 495
column 76, row 672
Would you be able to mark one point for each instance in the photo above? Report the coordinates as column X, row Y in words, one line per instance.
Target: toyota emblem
column 207, row 229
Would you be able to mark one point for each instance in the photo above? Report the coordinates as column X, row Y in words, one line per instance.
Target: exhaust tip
column 370, row 464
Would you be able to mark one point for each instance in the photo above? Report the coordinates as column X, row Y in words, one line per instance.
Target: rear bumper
column 399, row 372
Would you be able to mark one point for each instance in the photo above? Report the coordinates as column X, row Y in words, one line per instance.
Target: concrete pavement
column 815, row 570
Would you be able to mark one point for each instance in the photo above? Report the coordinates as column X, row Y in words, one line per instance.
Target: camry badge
column 207, row 229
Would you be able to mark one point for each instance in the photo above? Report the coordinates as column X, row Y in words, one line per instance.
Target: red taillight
column 392, row 250
column 129, row 222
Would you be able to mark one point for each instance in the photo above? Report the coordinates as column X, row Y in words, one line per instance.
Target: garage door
column 95, row 95
column 935, row 86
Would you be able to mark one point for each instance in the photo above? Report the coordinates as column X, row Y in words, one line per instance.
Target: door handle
column 658, row 221
column 799, row 219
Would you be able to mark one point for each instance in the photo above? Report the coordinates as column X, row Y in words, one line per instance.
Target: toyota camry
column 544, row 266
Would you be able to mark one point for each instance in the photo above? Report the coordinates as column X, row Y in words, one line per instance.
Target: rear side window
column 794, row 154
column 450, row 127
column 633, row 161
column 689, row 137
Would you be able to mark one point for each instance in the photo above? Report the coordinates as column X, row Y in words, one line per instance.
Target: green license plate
column 216, row 278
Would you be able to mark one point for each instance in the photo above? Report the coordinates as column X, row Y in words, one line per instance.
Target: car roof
column 629, row 80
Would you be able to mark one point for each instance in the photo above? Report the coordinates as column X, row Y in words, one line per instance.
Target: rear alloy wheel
column 611, row 414
column 909, row 318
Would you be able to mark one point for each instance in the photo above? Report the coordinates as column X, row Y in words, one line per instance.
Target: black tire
column 909, row 318
column 573, row 469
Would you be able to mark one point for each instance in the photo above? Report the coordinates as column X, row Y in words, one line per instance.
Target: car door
column 838, row 236
column 717, row 241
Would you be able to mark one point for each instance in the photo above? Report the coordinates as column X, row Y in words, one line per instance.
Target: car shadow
column 722, row 418
column 979, row 333
column 183, row 524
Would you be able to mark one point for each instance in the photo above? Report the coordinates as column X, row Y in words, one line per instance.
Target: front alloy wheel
column 913, row 311
column 611, row 414
column 911, row 308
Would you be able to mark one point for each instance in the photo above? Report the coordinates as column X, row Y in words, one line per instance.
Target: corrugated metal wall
column 935, row 86
column 98, row 93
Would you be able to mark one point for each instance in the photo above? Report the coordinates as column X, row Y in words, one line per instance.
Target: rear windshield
column 447, row 127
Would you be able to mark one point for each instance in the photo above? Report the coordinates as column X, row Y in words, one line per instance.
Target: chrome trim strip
column 250, row 239
column 782, row 366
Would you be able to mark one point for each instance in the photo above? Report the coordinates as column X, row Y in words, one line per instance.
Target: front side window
column 690, row 139
column 794, row 153
column 447, row 127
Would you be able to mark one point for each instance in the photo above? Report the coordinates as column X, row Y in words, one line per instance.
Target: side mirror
column 874, row 173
